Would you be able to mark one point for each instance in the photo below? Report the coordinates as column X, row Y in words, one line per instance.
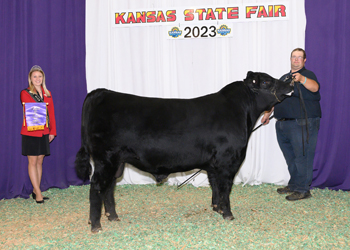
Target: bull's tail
column 83, row 167
column 82, row 164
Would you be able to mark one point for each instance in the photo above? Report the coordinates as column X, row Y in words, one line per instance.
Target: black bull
column 164, row 136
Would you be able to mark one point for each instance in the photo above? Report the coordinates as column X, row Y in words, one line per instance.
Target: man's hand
column 298, row 77
column 265, row 119
column 307, row 82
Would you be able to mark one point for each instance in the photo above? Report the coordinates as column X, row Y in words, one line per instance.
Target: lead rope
column 303, row 108
column 191, row 177
column 197, row 173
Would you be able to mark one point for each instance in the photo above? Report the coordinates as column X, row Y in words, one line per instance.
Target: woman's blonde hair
column 31, row 86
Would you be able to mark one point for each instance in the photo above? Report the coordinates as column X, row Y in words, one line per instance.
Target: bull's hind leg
column 103, row 182
column 95, row 209
column 109, row 202
column 101, row 191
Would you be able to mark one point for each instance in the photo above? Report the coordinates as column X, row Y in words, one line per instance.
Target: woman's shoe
column 44, row 197
column 40, row 202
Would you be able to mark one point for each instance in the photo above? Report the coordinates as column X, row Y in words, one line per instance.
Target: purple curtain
column 50, row 34
column 328, row 55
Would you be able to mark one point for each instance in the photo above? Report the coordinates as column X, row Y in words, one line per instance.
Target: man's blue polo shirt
column 290, row 107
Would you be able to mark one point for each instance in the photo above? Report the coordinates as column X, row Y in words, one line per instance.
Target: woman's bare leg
column 35, row 173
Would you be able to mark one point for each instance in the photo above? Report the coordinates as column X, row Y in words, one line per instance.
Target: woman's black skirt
column 32, row 145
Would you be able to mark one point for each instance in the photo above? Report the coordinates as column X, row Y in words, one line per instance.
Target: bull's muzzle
column 292, row 82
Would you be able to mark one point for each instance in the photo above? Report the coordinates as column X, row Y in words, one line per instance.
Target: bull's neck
column 257, row 106
column 253, row 113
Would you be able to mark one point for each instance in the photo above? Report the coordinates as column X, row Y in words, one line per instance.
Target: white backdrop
column 139, row 60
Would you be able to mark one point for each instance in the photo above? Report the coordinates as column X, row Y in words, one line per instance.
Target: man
column 297, row 139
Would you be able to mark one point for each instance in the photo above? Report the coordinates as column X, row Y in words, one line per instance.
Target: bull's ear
column 252, row 80
column 249, row 73
column 250, row 77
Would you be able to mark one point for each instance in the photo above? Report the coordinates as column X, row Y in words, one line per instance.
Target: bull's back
column 109, row 113
column 104, row 108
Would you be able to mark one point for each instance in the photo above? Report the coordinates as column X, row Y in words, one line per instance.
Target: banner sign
column 188, row 16
column 35, row 113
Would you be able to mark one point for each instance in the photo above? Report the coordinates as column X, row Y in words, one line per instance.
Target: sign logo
column 224, row 30
column 175, row 32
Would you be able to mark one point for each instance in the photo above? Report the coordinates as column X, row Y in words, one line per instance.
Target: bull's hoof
column 89, row 221
column 96, row 230
column 217, row 209
column 229, row 217
column 112, row 218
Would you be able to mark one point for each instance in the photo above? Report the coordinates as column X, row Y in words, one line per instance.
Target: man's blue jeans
column 299, row 161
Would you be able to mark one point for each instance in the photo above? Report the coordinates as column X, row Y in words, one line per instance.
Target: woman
column 35, row 140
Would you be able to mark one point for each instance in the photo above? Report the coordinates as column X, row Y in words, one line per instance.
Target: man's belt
column 286, row 119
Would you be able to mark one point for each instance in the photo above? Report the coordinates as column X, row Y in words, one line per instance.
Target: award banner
column 35, row 113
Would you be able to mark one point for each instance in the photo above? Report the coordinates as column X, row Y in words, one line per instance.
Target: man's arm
column 308, row 83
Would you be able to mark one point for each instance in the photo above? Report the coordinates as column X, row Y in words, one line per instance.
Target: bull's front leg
column 95, row 209
column 224, row 204
column 109, row 202
column 222, row 185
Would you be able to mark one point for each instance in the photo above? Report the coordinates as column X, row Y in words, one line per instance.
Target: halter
column 274, row 93
column 276, row 96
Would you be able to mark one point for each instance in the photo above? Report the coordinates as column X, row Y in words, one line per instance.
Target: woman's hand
column 51, row 137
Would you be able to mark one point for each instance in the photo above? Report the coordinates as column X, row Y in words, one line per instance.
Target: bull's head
column 262, row 83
